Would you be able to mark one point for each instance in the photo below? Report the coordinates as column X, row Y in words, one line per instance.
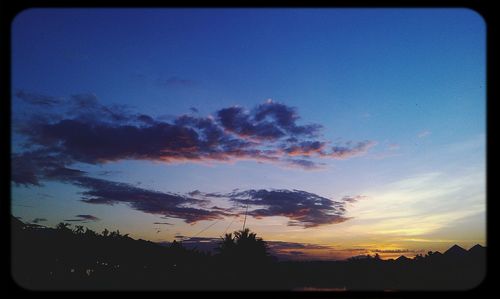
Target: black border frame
column 486, row 9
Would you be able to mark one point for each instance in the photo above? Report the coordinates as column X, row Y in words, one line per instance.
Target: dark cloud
column 86, row 108
column 99, row 191
column 83, row 218
column 146, row 119
column 268, row 133
column 88, row 217
column 304, row 164
column 222, row 209
column 86, row 131
column 284, row 117
column 302, row 208
column 348, row 151
column 305, row 148
column 29, row 168
column 194, row 193
column 352, row 199
column 164, row 223
column 38, row 220
column 148, row 201
column 37, row 99
column 237, row 121
column 281, row 245
column 23, row 171
column 393, row 250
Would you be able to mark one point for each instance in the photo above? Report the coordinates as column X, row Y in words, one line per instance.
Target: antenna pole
column 245, row 221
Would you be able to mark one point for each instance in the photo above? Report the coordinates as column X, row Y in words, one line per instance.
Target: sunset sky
column 347, row 131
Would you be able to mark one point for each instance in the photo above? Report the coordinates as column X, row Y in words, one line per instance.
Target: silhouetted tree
column 90, row 233
column 227, row 245
column 60, row 258
column 245, row 246
column 61, row 226
column 114, row 234
column 78, row 229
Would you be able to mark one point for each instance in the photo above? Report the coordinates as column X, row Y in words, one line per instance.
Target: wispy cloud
column 37, row 99
column 83, row 218
column 393, row 147
column 38, row 220
column 420, row 205
column 423, row 134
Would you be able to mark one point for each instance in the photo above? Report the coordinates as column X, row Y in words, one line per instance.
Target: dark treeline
column 78, row 258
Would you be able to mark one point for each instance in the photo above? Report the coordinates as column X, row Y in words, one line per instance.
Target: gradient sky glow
column 410, row 83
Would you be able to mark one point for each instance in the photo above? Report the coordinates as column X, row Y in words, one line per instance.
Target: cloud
column 393, row 147
column 281, row 245
column 268, row 133
column 269, row 121
column 284, row 117
column 83, row 218
column 305, row 148
column 424, row 134
column 238, row 121
column 88, row 217
column 304, row 164
column 30, row 167
column 38, row 220
column 345, row 152
column 302, row 208
column 352, row 199
column 100, row 191
column 392, row 250
column 164, row 223
column 37, row 99
column 148, row 201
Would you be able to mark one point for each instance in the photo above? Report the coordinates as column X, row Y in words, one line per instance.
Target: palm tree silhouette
column 79, row 229
column 62, row 226
column 244, row 246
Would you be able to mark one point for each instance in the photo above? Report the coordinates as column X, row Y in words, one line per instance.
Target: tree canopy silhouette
column 244, row 246
column 64, row 258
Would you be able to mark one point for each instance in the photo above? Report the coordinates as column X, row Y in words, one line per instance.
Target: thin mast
column 245, row 221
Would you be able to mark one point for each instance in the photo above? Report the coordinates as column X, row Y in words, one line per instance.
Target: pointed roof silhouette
column 402, row 258
column 477, row 248
column 477, row 251
column 455, row 250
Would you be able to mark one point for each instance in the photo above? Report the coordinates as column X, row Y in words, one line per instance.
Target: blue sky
column 412, row 81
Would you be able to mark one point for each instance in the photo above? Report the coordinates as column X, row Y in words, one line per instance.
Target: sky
column 344, row 131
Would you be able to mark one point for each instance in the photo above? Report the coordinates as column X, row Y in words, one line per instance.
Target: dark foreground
column 65, row 259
